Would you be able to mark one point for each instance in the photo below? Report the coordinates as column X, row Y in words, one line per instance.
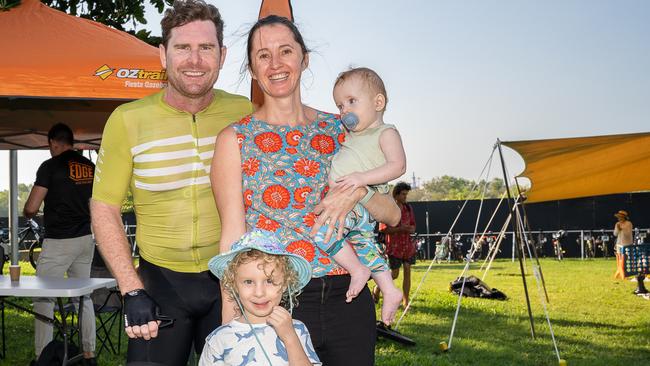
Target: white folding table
column 59, row 288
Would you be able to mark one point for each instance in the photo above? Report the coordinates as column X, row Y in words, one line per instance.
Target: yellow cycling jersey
column 163, row 156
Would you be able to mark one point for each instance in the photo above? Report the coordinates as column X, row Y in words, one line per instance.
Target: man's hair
column 60, row 132
column 289, row 275
column 186, row 11
column 369, row 76
column 399, row 187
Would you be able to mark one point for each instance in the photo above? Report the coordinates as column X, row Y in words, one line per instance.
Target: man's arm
column 113, row 245
column 34, row 201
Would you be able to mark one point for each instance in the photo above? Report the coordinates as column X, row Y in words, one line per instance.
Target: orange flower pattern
column 276, row 196
column 268, row 142
column 303, row 248
column 284, row 172
column 322, row 143
column 306, row 167
column 300, row 194
column 265, row 223
column 250, row 166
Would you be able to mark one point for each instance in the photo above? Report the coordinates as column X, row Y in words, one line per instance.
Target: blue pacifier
column 350, row 121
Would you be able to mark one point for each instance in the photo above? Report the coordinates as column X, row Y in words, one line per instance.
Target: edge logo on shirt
column 80, row 173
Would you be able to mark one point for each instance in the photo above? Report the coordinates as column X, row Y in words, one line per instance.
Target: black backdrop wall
column 589, row 214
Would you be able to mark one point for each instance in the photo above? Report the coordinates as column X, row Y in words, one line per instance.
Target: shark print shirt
column 234, row 344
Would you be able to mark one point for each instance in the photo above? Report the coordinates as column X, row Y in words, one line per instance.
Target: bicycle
column 37, row 242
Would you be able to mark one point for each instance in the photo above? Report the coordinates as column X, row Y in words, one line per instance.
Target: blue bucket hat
column 267, row 242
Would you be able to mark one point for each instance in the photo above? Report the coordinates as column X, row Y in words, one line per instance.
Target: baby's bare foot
column 359, row 278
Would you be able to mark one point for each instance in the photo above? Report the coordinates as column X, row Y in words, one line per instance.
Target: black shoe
column 90, row 361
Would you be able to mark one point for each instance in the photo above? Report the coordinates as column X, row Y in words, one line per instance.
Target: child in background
column 372, row 155
column 259, row 275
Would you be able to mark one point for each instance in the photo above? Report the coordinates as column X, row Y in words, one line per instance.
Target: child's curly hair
column 281, row 262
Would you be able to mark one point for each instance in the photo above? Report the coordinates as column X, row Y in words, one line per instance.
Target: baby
column 260, row 276
column 371, row 155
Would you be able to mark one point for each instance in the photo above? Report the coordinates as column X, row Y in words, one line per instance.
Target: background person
column 270, row 172
column 624, row 237
column 400, row 247
column 64, row 183
column 160, row 147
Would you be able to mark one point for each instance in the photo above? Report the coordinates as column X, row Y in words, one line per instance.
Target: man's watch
column 135, row 292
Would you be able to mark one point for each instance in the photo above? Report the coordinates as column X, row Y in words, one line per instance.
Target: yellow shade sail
column 585, row 166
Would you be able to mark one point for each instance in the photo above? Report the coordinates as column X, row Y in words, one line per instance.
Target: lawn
column 597, row 321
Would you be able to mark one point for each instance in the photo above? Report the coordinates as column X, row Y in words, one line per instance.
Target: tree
column 453, row 188
column 23, row 193
column 114, row 14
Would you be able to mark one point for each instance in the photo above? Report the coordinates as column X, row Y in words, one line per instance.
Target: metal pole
column 428, row 237
column 13, row 205
column 582, row 244
column 513, row 247
column 515, row 228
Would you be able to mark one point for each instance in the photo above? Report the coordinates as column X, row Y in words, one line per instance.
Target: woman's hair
column 399, row 187
column 279, row 263
column 369, row 76
column 274, row 20
column 186, row 11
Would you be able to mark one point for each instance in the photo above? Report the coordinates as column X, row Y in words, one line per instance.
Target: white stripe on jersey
column 172, row 185
column 163, row 142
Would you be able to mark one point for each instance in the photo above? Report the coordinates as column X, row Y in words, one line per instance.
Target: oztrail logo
column 105, row 71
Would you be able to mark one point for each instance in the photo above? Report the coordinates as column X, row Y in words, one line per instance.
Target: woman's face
column 277, row 60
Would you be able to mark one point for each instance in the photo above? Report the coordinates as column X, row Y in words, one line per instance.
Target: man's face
column 193, row 59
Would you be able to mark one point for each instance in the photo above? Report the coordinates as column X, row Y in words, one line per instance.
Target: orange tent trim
column 47, row 53
column 585, row 166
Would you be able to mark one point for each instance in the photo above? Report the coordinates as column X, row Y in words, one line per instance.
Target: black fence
column 579, row 218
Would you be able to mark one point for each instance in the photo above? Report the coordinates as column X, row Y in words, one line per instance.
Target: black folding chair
column 108, row 313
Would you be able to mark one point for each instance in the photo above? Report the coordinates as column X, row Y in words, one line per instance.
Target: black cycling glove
column 140, row 308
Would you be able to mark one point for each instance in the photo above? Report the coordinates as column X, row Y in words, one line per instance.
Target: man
column 160, row 147
column 624, row 237
column 65, row 183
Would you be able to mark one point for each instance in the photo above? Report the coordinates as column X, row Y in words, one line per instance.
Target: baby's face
column 259, row 286
column 354, row 96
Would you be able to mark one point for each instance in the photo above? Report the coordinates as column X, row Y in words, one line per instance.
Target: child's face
column 258, row 292
column 354, row 95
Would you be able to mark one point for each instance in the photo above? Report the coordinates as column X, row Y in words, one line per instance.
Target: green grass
column 596, row 320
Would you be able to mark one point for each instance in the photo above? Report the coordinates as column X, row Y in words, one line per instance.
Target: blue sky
column 461, row 74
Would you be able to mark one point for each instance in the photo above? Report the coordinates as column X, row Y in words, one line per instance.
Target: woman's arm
column 340, row 200
column 226, row 179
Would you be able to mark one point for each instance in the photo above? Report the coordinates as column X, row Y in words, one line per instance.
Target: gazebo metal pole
column 13, row 205
column 515, row 231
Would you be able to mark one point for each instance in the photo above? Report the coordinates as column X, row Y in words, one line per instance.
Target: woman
column 624, row 237
column 270, row 172
column 399, row 245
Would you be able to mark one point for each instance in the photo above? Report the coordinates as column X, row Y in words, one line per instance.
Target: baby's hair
column 289, row 280
column 372, row 79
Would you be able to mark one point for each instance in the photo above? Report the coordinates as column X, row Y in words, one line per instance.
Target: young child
column 371, row 155
column 259, row 276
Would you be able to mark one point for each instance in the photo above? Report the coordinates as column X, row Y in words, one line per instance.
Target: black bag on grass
column 474, row 287
column 52, row 354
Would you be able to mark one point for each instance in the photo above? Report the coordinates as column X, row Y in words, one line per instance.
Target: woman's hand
column 333, row 208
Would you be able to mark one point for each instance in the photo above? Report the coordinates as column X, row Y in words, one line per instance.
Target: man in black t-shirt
column 64, row 183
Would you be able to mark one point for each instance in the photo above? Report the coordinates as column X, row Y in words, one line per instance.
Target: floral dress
column 284, row 176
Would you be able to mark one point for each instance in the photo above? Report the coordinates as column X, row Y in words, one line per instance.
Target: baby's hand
column 280, row 320
column 354, row 180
